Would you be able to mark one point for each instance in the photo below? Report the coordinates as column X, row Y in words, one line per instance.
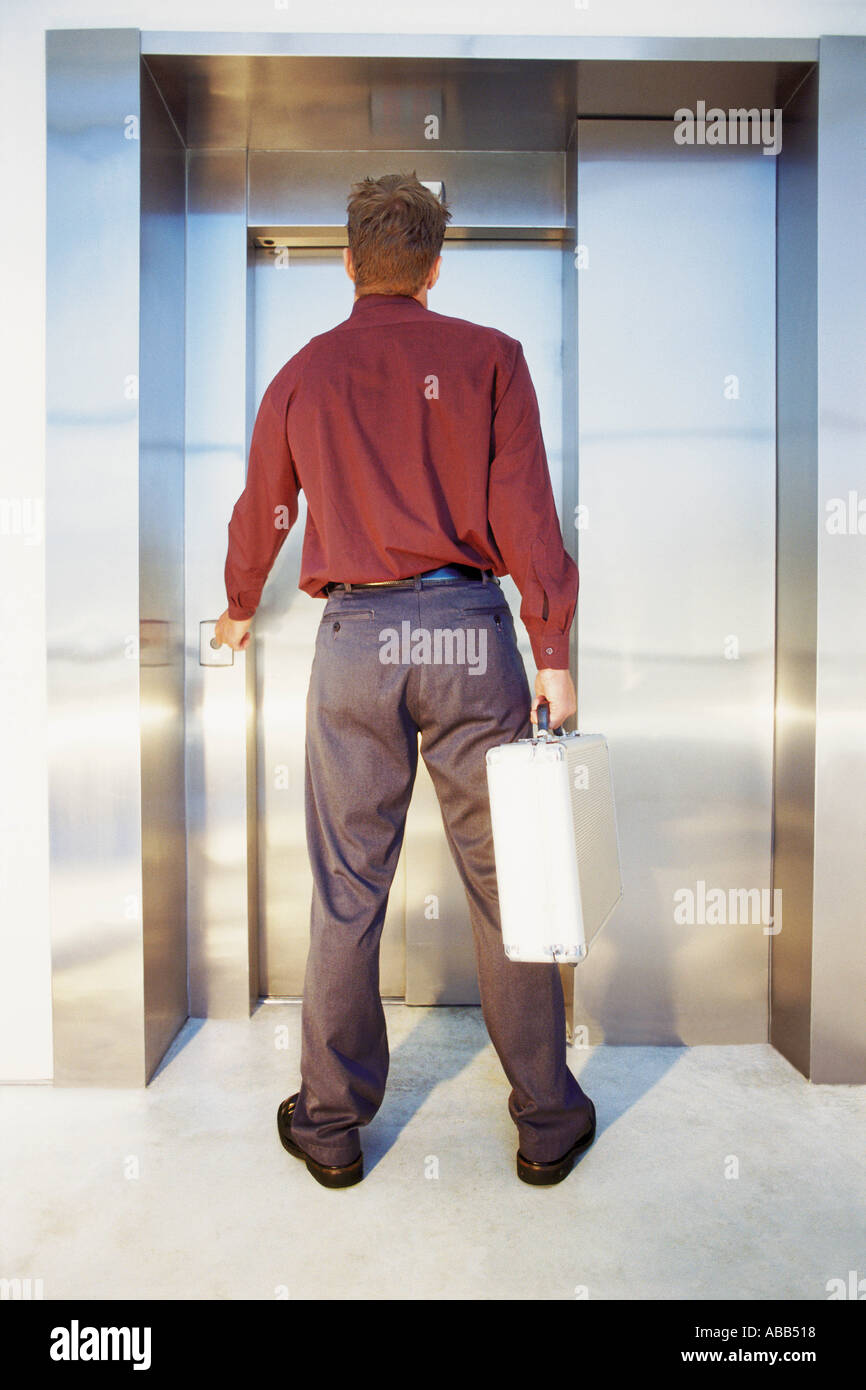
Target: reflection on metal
column 630, row 50
column 487, row 188
column 677, row 472
column 796, row 577
column 161, row 575
column 358, row 92
column 92, row 559
column 838, row 1022
column 114, row 534
column 367, row 104
column 571, row 456
column 209, row 653
column 254, row 829
column 275, row 237
column 217, row 701
column 818, row 967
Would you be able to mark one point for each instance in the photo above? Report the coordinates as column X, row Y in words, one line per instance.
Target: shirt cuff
column 550, row 652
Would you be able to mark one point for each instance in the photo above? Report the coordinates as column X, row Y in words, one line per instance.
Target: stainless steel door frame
column 222, row 874
column 114, row 561
column 835, row 970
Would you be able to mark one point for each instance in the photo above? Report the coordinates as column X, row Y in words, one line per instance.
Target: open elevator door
column 427, row 952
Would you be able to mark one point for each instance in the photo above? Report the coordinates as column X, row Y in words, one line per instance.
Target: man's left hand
column 232, row 632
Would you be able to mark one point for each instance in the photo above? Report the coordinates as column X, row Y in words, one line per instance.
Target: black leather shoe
column 328, row 1174
column 542, row 1174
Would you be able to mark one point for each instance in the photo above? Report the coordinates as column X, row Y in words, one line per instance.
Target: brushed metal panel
column 533, row 47
column 161, row 594
column 839, row 921
column 516, row 288
column 217, row 706
column 271, row 102
column 677, row 564
column 297, row 295
column 570, row 455
column 513, row 93
column 646, row 89
column 92, row 573
column 254, row 829
column 482, row 188
column 796, row 576
column 310, row 235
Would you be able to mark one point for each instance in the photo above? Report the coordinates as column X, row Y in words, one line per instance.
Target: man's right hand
column 232, row 632
column 557, row 688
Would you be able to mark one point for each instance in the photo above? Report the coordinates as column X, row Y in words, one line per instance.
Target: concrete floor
column 219, row 1210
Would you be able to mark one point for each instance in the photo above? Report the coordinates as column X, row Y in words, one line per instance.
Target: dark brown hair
column 396, row 229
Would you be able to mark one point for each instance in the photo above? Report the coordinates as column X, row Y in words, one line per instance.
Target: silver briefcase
column 555, row 841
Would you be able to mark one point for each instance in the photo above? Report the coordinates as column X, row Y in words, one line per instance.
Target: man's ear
column 434, row 272
column 347, row 262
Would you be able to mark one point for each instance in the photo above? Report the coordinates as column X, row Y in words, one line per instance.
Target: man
column 416, row 440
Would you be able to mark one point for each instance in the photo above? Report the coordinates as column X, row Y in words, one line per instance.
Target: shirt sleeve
column 266, row 510
column 523, row 518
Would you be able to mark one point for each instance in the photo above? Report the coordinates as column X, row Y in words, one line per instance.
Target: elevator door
column 426, row 954
column 676, row 551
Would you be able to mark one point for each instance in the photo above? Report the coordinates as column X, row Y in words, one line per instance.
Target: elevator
column 661, row 291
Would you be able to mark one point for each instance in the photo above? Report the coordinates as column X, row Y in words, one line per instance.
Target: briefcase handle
column 543, row 724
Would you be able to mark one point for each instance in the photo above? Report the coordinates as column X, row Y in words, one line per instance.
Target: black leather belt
column 445, row 574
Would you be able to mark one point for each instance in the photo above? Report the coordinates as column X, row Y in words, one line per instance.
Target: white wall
column 25, row 1015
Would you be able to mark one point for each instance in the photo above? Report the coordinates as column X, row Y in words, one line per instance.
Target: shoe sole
column 545, row 1174
column 329, row 1175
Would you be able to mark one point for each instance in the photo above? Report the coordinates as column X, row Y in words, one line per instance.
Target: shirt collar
column 391, row 306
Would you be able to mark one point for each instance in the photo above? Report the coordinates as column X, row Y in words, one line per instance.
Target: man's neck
column 421, row 296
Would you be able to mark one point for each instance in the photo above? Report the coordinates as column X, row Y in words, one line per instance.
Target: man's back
column 416, row 440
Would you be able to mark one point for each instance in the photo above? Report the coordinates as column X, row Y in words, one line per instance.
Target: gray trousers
column 376, row 681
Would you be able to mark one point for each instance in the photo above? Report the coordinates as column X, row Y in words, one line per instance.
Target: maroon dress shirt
column 417, row 442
